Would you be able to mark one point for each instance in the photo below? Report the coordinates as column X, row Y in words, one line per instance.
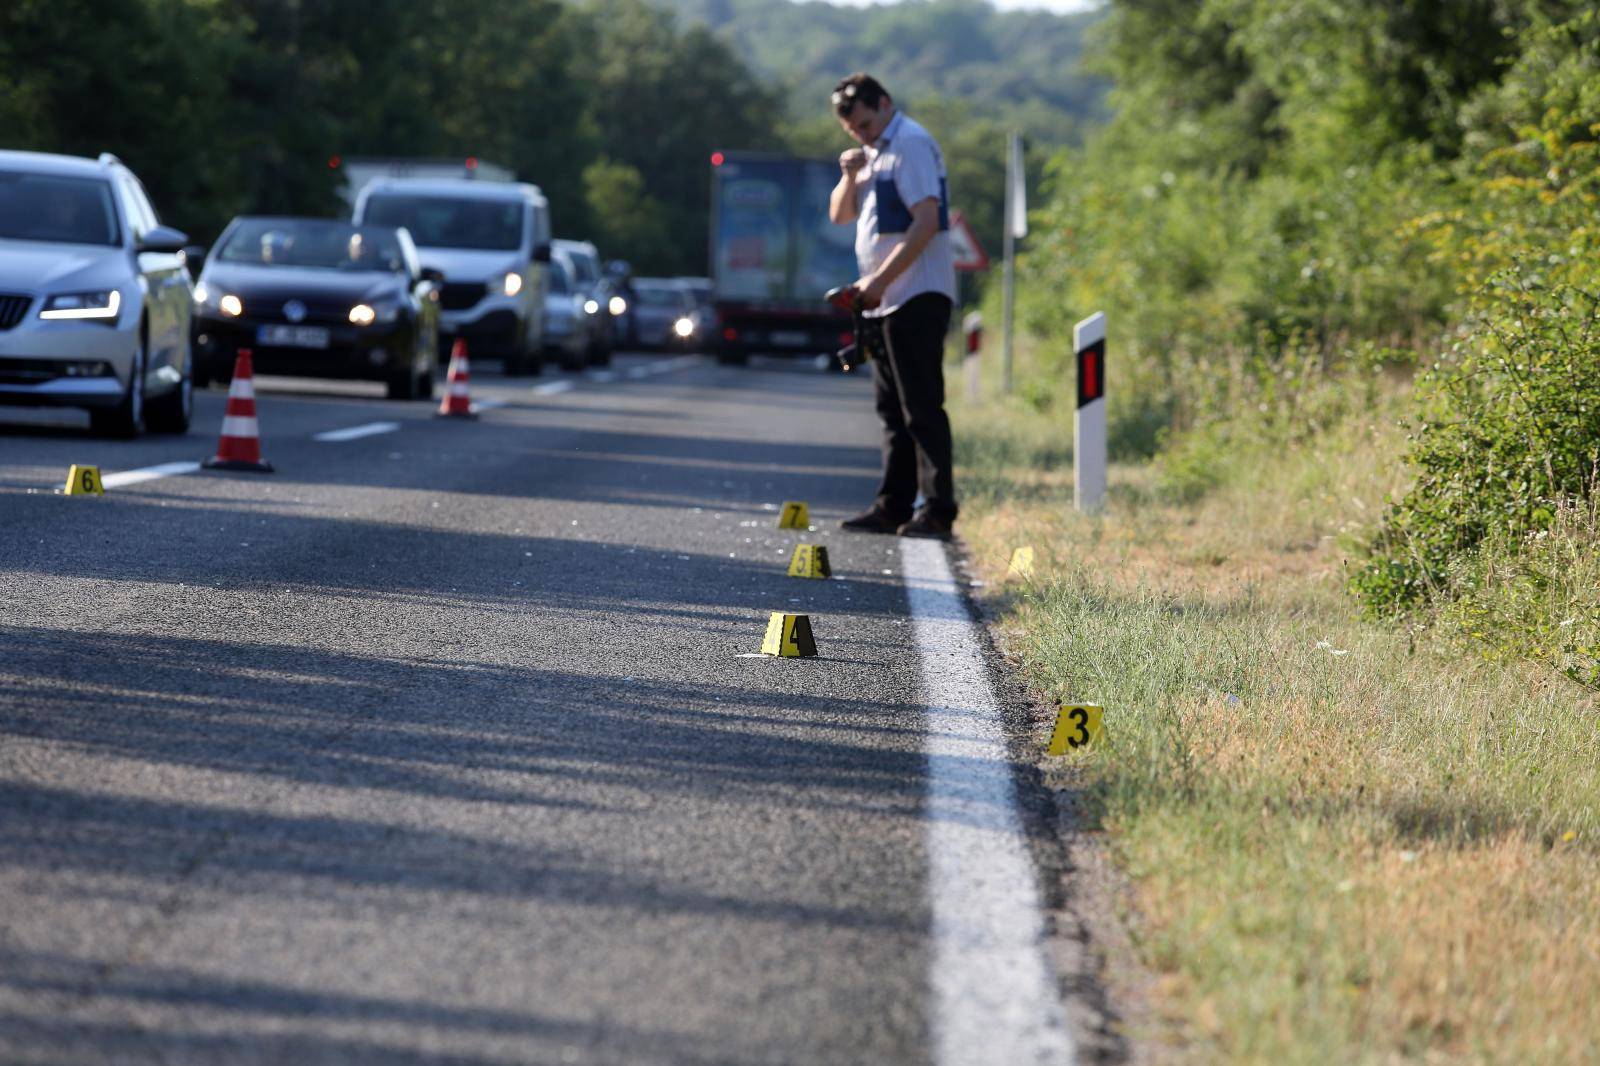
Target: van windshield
column 444, row 222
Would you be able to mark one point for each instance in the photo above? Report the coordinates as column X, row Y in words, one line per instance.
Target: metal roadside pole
column 972, row 328
column 1016, row 227
column 1089, row 423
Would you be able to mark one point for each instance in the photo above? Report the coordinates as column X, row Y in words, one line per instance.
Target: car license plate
column 292, row 336
column 789, row 338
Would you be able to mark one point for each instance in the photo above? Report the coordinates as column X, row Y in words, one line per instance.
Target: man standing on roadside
column 895, row 190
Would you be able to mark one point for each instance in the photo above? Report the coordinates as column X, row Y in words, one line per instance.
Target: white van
column 491, row 241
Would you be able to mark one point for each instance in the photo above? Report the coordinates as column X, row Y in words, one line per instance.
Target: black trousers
column 917, row 453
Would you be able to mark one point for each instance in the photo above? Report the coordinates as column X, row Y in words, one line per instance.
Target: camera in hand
column 868, row 332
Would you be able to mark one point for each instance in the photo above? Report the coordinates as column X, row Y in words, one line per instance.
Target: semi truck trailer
column 774, row 256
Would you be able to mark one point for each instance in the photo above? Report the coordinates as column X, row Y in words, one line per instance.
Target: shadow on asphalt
column 190, row 992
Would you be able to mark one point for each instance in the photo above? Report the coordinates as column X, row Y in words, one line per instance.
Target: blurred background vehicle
column 773, row 256
column 664, row 315
column 596, row 291
column 705, row 312
column 95, row 295
column 569, row 329
column 491, row 241
column 619, row 278
column 318, row 298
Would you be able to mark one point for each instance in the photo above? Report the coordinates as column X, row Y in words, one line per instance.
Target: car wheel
column 173, row 412
column 124, row 419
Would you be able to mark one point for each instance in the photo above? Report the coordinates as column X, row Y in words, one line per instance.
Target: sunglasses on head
column 844, row 99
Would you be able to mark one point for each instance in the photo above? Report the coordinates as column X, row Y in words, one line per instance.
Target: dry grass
column 1350, row 842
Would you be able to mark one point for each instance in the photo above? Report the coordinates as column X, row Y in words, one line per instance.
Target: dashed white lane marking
column 550, row 388
column 147, row 473
column 994, row 994
column 370, row 429
column 641, row 372
column 487, row 405
column 601, row 375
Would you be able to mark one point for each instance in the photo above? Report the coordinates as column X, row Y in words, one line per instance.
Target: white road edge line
column 994, row 995
column 370, row 429
column 147, row 473
column 550, row 388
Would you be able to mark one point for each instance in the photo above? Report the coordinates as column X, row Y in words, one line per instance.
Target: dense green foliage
column 1024, row 67
column 1292, row 196
column 968, row 72
column 611, row 106
column 1508, row 420
column 226, row 106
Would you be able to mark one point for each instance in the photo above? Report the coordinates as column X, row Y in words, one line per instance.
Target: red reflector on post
column 730, row 334
column 717, row 159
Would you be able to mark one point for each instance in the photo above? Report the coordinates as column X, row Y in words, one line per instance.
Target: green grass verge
column 1349, row 842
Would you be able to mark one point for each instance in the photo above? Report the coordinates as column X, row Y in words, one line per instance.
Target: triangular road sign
column 964, row 246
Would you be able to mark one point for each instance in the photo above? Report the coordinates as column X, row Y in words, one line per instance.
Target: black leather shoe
column 924, row 524
column 872, row 520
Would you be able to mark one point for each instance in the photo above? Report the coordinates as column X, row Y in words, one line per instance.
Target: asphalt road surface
column 447, row 743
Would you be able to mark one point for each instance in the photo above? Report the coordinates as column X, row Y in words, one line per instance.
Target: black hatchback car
column 318, row 297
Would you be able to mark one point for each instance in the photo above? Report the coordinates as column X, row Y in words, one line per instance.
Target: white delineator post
column 1089, row 429
column 1016, row 228
column 972, row 327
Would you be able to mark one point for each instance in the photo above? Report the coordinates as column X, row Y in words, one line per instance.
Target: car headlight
column 201, row 294
column 381, row 311
column 618, row 305
column 591, row 307
column 684, row 327
column 231, row 305
column 102, row 305
column 513, row 283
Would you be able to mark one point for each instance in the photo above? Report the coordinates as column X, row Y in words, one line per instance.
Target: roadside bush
column 1535, row 597
column 1507, row 424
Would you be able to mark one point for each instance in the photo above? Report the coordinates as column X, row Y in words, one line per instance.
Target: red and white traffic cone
column 456, row 402
column 240, row 446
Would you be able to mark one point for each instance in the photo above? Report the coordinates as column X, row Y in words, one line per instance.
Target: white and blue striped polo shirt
column 904, row 167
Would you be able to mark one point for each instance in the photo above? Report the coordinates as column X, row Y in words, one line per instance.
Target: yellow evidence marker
column 810, row 560
column 84, row 481
column 794, row 516
column 788, row 635
column 1077, row 727
column 1021, row 563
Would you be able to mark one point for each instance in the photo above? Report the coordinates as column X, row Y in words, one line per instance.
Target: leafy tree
column 625, row 215
column 665, row 100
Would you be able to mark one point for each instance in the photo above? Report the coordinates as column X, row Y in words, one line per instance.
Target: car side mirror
column 164, row 239
column 541, row 254
column 432, row 274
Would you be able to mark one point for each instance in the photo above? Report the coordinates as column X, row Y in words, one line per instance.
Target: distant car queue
column 98, row 308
